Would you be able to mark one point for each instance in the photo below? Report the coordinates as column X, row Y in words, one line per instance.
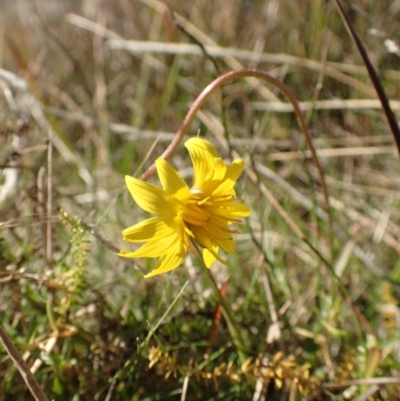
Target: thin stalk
column 234, row 329
column 23, row 368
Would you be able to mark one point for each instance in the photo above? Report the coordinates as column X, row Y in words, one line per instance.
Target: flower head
column 203, row 214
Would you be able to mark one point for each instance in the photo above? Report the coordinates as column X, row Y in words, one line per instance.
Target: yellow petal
column 153, row 249
column 149, row 197
column 169, row 261
column 230, row 211
column 194, row 214
column 171, row 181
column 221, row 232
column 202, row 154
column 219, row 170
column 220, row 238
column 150, row 229
column 228, row 245
column 202, row 144
column 209, row 257
column 222, row 223
column 202, row 237
column 216, row 175
column 233, row 172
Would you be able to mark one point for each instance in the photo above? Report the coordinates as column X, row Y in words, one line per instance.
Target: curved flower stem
column 223, row 79
column 236, row 334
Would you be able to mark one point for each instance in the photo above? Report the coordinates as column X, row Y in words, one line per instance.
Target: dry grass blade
column 137, row 47
column 331, row 104
column 333, row 152
column 380, row 381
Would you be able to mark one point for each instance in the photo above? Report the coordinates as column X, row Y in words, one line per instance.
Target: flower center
column 193, row 212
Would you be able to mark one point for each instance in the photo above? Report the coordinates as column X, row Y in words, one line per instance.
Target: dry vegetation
column 320, row 315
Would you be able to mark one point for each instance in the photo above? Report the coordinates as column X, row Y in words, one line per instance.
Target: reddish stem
column 212, row 87
column 216, row 318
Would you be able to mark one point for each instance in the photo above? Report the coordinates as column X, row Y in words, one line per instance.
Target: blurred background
column 107, row 84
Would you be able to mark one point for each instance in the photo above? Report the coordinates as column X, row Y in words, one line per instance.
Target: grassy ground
column 319, row 314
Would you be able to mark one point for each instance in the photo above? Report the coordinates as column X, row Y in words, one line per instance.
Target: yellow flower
column 202, row 214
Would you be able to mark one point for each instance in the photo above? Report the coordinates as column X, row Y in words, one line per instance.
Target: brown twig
column 23, row 368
